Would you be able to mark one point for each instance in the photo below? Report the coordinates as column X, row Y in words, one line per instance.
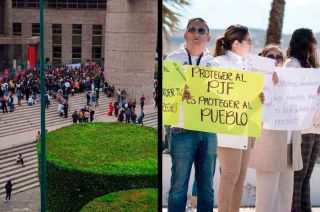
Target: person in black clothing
column 121, row 115
column 116, row 108
column 155, row 97
column 47, row 101
column 65, row 110
column 75, row 117
column 8, row 188
column 128, row 115
column 88, row 98
column 4, row 104
column 142, row 99
column 140, row 119
column 91, row 115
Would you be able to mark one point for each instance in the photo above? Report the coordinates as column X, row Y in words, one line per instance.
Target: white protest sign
column 266, row 66
column 315, row 127
column 294, row 100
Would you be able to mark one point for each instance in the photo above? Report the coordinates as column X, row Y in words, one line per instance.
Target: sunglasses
column 277, row 57
column 201, row 30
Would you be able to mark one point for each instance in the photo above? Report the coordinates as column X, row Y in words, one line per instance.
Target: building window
column 76, row 29
column 76, row 42
column 16, row 28
column 96, row 42
column 17, row 3
column 35, row 29
column 96, row 52
column 56, row 43
column 76, row 54
column 97, row 29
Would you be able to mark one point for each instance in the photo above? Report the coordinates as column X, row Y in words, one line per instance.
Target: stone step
column 13, row 157
column 12, row 162
column 15, row 152
column 72, row 101
column 8, row 171
column 19, row 181
column 17, row 146
column 20, row 171
column 18, row 175
column 7, row 118
column 26, row 118
column 36, row 125
column 33, row 183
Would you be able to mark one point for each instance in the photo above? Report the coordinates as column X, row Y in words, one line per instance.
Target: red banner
column 32, row 56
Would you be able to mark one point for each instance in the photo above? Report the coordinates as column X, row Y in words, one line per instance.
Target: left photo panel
column 79, row 105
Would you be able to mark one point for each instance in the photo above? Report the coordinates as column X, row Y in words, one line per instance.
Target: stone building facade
column 121, row 33
column 130, row 46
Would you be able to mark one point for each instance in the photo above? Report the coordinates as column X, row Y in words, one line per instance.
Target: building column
column 130, row 46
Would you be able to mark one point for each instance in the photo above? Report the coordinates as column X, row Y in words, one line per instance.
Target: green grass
column 104, row 148
column 130, row 200
column 89, row 160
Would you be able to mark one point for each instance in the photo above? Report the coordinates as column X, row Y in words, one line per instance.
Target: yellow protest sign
column 173, row 81
column 223, row 101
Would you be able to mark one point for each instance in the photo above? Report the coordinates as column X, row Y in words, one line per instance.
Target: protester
column 20, row 160
column 91, row 115
column 4, row 104
column 88, row 98
column 142, row 99
column 111, row 108
column 75, row 117
column 302, row 54
column 186, row 144
column 8, row 188
column 275, row 156
column 233, row 150
column 140, row 119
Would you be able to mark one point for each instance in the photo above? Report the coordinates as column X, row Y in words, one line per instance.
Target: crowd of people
column 283, row 160
column 125, row 108
column 62, row 81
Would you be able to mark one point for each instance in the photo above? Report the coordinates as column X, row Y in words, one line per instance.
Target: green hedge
column 88, row 160
column 131, row 200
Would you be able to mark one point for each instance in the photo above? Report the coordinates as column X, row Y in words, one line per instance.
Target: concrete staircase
column 22, row 178
column 26, row 118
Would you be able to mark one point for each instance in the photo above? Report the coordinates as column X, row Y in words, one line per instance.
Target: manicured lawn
column 88, row 160
column 131, row 200
column 109, row 148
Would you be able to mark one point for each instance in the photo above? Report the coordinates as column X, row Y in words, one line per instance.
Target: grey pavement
column 25, row 201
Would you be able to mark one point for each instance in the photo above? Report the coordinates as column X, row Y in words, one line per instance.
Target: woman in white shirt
column 233, row 150
column 302, row 54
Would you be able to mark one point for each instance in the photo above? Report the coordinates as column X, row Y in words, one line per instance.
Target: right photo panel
column 240, row 106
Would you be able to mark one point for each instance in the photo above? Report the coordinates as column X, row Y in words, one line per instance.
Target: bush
column 89, row 160
column 130, row 200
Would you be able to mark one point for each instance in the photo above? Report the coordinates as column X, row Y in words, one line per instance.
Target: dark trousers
column 8, row 196
column 4, row 108
column 310, row 148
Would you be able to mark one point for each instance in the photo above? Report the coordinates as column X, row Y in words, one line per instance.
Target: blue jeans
column 188, row 147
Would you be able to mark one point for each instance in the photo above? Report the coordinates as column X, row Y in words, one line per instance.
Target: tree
column 170, row 16
column 275, row 22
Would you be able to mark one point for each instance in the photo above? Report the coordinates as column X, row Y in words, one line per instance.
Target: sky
column 253, row 13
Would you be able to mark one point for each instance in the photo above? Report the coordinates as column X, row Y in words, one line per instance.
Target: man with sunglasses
column 187, row 146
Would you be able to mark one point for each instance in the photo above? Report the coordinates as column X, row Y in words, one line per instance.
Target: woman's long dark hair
column 301, row 47
column 231, row 34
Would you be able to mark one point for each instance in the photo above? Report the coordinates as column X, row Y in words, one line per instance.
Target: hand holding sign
column 224, row 101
